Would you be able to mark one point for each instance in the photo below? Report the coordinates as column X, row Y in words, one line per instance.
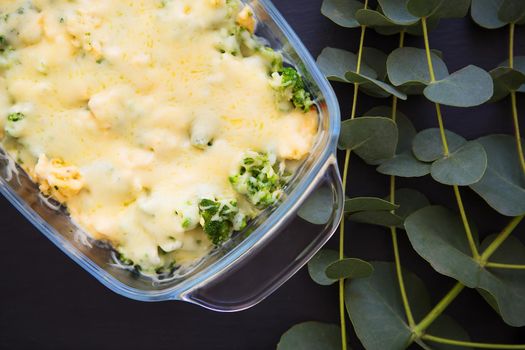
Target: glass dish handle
column 276, row 259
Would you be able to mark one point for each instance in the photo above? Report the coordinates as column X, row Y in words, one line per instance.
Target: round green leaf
column 317, row 209
column 506, row 80
column 379, row 218
column 374, row 139
column 463, row 167
column 485, row 13
column 371, row 18
column 349, row 268
column 334, row 63
column 423, row 8
column 503, row 185
column 409, row 201
column 376, row 59
column 397, row 12
column 374, row 87
column 404, row 165
column 453, row 9
column 512, row 11
column 519, row 65
column 428, row 146
column 342, row 12
column 468, row 87
column 311, row 336
column 317, row 266
column 354, row 205
column 408, row 67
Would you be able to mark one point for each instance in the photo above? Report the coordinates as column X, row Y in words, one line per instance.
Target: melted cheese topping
column 115, row 94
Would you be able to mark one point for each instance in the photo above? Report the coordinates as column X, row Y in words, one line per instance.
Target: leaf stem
column 438, row 309
column 514, row 102
column 441, row 340
column 504, row 266
column 511, row 45
column 446, row 149
column 491, row 249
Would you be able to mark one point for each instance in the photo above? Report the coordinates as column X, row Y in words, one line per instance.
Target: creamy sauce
column 115, row 94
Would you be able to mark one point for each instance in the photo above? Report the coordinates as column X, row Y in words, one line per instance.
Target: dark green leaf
column 354, row 205
column 468, row 87
column 373, row 138
column 404, row 165
column 512, row 11
column 374, row 87
column 349, row 268
column 334, row 63
column 372, row 18
column 519, row 65
column 317, row 266
column 485, row 13
column 506, row 80
column 318, row 207
column 342, row 12
column 409, row 201
column 503, row 185
column 447, row 327
column 376, row 59
column 423, row 8
column 463, row 167
column 408, row 67
column 378, row 218
column 311, row 336
column 397, row 12
column 453, row 9
column 428, row 146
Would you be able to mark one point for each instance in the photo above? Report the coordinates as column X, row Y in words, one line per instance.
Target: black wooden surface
column 48, row 302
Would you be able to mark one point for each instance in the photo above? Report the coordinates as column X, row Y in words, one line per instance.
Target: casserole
column 288, row 240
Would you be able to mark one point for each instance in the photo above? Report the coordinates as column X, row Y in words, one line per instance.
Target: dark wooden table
column 48, row 302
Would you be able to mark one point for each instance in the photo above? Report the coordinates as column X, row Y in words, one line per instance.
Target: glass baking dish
column 254, row 263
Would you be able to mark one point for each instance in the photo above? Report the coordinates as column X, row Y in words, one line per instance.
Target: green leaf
column 317, row 209
column 519, row 65
column 485, row 13
column 349, row 268
column 408, row 68
column 505, row 80
column 423, row 8
column 334, row 63
column 428, row 146
column 468, row 87
column 417, row 29
column 512, row 11
column 463, row 167
column 438, row 236
column 311, row 336
column 397, row 12
column 404, row 165
column 371, row 18
column 379, row 218
column 354, row 205
column 317, row 266
column 453, row 9
column 372, row 138
column 409, row 201
column 447, row 327
column 503, row 185
column 374, row 87
column 376, row 59
column 342, row 12
column 406, row 129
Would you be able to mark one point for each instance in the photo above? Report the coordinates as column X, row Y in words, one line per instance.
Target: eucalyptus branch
column 446, row 149
column 447, row 341
column 505, row 266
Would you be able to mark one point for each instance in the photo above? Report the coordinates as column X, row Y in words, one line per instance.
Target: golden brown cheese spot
column 246, row 19
column 57, row 179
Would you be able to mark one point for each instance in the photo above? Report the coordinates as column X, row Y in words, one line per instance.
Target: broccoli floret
column 290, row 86
column 15, row 117
column 260, row 179
column 220, row 218
column 4, row 44
column 274, row 58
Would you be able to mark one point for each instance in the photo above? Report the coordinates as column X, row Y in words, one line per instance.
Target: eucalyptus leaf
column 397, row 12
column 374, row 139
column 376, row 59
column 371, row 18
column 409, row 201
column 468, row 87
column 446, row 327
column 428, row 146
column 453, row 9
column 317, row 209
column 437, row 235
column 342, row 12
column 311, row 336
column 334, row 63
column 404, row 165
column 317, row 266
column 406, row 129
column 485, row 13
column 519, row 65
column 373, row 86
column 378, row 217
column 349, row 268
column 505, row 80
column 503, row 185
column 463, row 167
column 512, row 11
column 423, row 8
column 408, row 67
column 354, row 205
column 417, row 29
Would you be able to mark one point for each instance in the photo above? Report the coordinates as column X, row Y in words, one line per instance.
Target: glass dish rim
column 250, row 243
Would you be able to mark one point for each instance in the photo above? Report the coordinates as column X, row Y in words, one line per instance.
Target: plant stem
column 446, row 149
column 500, row 239
column 438, row 309
column 342, row 314
column 504, row 266
column 511, row 44
column 441, row 340
column 514, row 102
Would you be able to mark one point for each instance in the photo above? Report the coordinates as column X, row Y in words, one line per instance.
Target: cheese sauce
column 130, row 112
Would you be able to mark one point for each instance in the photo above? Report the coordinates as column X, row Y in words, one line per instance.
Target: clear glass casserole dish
column 255, row 262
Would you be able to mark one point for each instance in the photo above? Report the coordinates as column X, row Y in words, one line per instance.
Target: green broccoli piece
column 290, row 85
column 260, row 179
column 15, row 117
column 274, row 58
column 4, row 44
column 220, row 218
